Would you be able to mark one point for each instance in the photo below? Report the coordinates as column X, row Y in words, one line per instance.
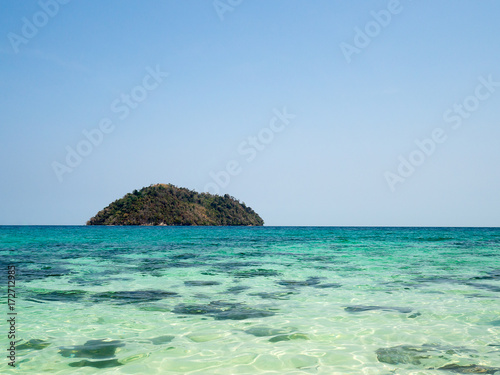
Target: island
column 167, row 204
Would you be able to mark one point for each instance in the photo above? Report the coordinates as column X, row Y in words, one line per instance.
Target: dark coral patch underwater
column 264, row 272
column 363, row 308
column 93, row 349
column 96, row 364
column 428, row 356
column 273, row 295
column 201, row 283
column 311, row 281
column 33, row 344
column 48, row 295
column 133, row 296
column 223, row 310
column 237, row 289
column 472, row 369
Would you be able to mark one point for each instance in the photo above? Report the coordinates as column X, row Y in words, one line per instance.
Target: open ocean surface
column 253, row 300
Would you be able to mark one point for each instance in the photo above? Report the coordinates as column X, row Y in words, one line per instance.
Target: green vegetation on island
column 166, row 204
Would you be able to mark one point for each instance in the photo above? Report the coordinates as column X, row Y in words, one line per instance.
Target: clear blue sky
column 420, row 69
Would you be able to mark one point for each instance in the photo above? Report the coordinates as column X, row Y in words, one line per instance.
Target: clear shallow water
column 213, row 300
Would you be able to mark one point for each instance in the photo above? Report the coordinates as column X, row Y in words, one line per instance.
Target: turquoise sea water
column 253, row 300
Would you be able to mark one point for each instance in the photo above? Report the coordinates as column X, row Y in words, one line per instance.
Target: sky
column 324, row 112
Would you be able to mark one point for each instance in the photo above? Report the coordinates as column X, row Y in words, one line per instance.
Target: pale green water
column 193, row 300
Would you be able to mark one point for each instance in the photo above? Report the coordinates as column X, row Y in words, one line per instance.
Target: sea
column 250, row 300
